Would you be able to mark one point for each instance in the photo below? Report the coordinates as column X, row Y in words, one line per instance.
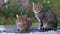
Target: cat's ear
column 32, row 3
column 25, row 16
column 17, row 15
column 38, row 3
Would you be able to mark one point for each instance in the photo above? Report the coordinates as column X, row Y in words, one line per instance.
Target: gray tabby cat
column 23, row 23
column 47, row 19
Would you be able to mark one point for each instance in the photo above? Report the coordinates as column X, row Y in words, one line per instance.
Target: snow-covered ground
column 34, row 30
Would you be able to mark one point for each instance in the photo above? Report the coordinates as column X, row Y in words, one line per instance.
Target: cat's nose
column 34, row 9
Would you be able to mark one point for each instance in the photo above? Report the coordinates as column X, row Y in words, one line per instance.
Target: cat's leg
column 40, row 27
column 41, row 24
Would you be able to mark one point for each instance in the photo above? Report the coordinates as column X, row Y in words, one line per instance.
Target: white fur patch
column 17, row 15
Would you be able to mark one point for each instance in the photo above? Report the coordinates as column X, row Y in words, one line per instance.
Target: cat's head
column 37, row 7
column 21, row 18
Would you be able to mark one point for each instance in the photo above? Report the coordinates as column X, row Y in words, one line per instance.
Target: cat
column 23, row 23
column 46, row 18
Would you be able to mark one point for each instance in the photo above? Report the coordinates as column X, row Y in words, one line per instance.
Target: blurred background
column 9, row 9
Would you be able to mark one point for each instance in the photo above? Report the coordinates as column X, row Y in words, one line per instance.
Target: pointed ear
column 17, row 15
column 32, row 3
column 25, row 16
column 38, row 3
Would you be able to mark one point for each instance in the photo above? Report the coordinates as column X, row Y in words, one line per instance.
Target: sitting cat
column 23, row 23
column 47, row 19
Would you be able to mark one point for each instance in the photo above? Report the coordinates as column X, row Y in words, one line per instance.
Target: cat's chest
column 37, row 17
column 36, row 14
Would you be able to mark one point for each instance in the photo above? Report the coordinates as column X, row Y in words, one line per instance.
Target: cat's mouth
column 36, row 11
